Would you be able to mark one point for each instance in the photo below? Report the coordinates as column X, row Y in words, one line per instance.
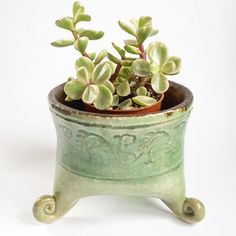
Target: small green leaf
column 77, row 10
column 74, row 89
column 100, row 57
column 82, row 75
column 141, row 67
column 109, row 85
column 70, row 78
column 81, row 44
column 134, row 23
column 119, row 50
column 132, row 49
column 90, row 94
column 76, row 7
column 68, row 99
column 141, row 91
column 63, row 43
column 66, row 23
column 154, row 32
column 85, row 62
column 143, row 33
column 104, row 98
column 127, row 28
column 82, row 17
column 154, row 68
column 115, row 101
column 125, row 72
column 91, row 34
column 102, row 72
column 157, row 52
column 145, row 21
column 123, row 89
column 113, row 58
column 92, row 55
column 144, row 101
column 172, row 66
column 126, row 63
column 131, row 42
column 125, row 104
column 159, row 83
column 112, row 65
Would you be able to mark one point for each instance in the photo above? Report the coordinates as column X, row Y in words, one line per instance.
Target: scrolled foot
column 44, row 209
column 193, row 210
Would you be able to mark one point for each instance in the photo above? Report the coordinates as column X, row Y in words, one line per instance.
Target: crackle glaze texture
column 126, row 155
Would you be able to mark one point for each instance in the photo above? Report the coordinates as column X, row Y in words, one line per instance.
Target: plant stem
column 142, row 52
column 76, row 37
column 117, row 70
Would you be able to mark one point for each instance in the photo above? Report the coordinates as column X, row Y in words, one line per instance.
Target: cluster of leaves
column 131, row 80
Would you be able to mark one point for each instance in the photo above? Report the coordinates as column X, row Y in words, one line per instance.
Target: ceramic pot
column 103, row 154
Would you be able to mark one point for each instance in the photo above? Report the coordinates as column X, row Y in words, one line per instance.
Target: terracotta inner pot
column 176, row 96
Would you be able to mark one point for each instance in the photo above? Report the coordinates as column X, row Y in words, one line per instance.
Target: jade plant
column 134, row 79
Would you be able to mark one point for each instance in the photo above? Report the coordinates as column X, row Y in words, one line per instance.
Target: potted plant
column 120, row 123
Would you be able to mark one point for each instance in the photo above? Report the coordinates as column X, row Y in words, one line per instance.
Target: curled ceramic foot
column 193, row 210
column 44, row 209
column 190, row 210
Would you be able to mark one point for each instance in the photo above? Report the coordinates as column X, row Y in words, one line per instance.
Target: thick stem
column 142, row 52
column 117, row 70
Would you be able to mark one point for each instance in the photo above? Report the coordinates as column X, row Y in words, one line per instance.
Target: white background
column 202, row 33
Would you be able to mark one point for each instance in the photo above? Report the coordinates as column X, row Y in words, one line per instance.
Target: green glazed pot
column 101, row 154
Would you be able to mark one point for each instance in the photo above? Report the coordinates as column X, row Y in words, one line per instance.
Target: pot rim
column 62, row 108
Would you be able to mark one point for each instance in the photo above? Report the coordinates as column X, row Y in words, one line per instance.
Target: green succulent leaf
column 63, row 43
column 91, row 34
column 115, row 101
column 92, row 55
column 74, row 89
column 145, row 21
column 112, row 65
column 154, row 32
column 132, row 49
column 104, row 98
column 123, row 89
column 68, row 99
column 143, row 33
column 126, row 62
column 126, row 104
column 141, row 67
column 109, row 85
column 127, row 28
column 157, row 52
column 102, row 73
column 85, row 62
column 90, row 94
column 65, row 23
column 172, row 66
column 131, row 42
column 144, row 101
column 81, row 44
column 125, row 72
column 100, row 57
column 154, row 68
column 159, row 83
column 113, row 58
column 141, row 91
column 119, row 50
column 82, row 17
column 82, row 75
column 77, row 9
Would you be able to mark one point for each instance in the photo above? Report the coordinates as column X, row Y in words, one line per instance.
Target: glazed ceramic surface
column 120, row 154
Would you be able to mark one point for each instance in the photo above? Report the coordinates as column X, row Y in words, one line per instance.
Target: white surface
column 202, row 32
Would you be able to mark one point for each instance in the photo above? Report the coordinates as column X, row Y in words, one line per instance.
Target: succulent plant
column 131, row 80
